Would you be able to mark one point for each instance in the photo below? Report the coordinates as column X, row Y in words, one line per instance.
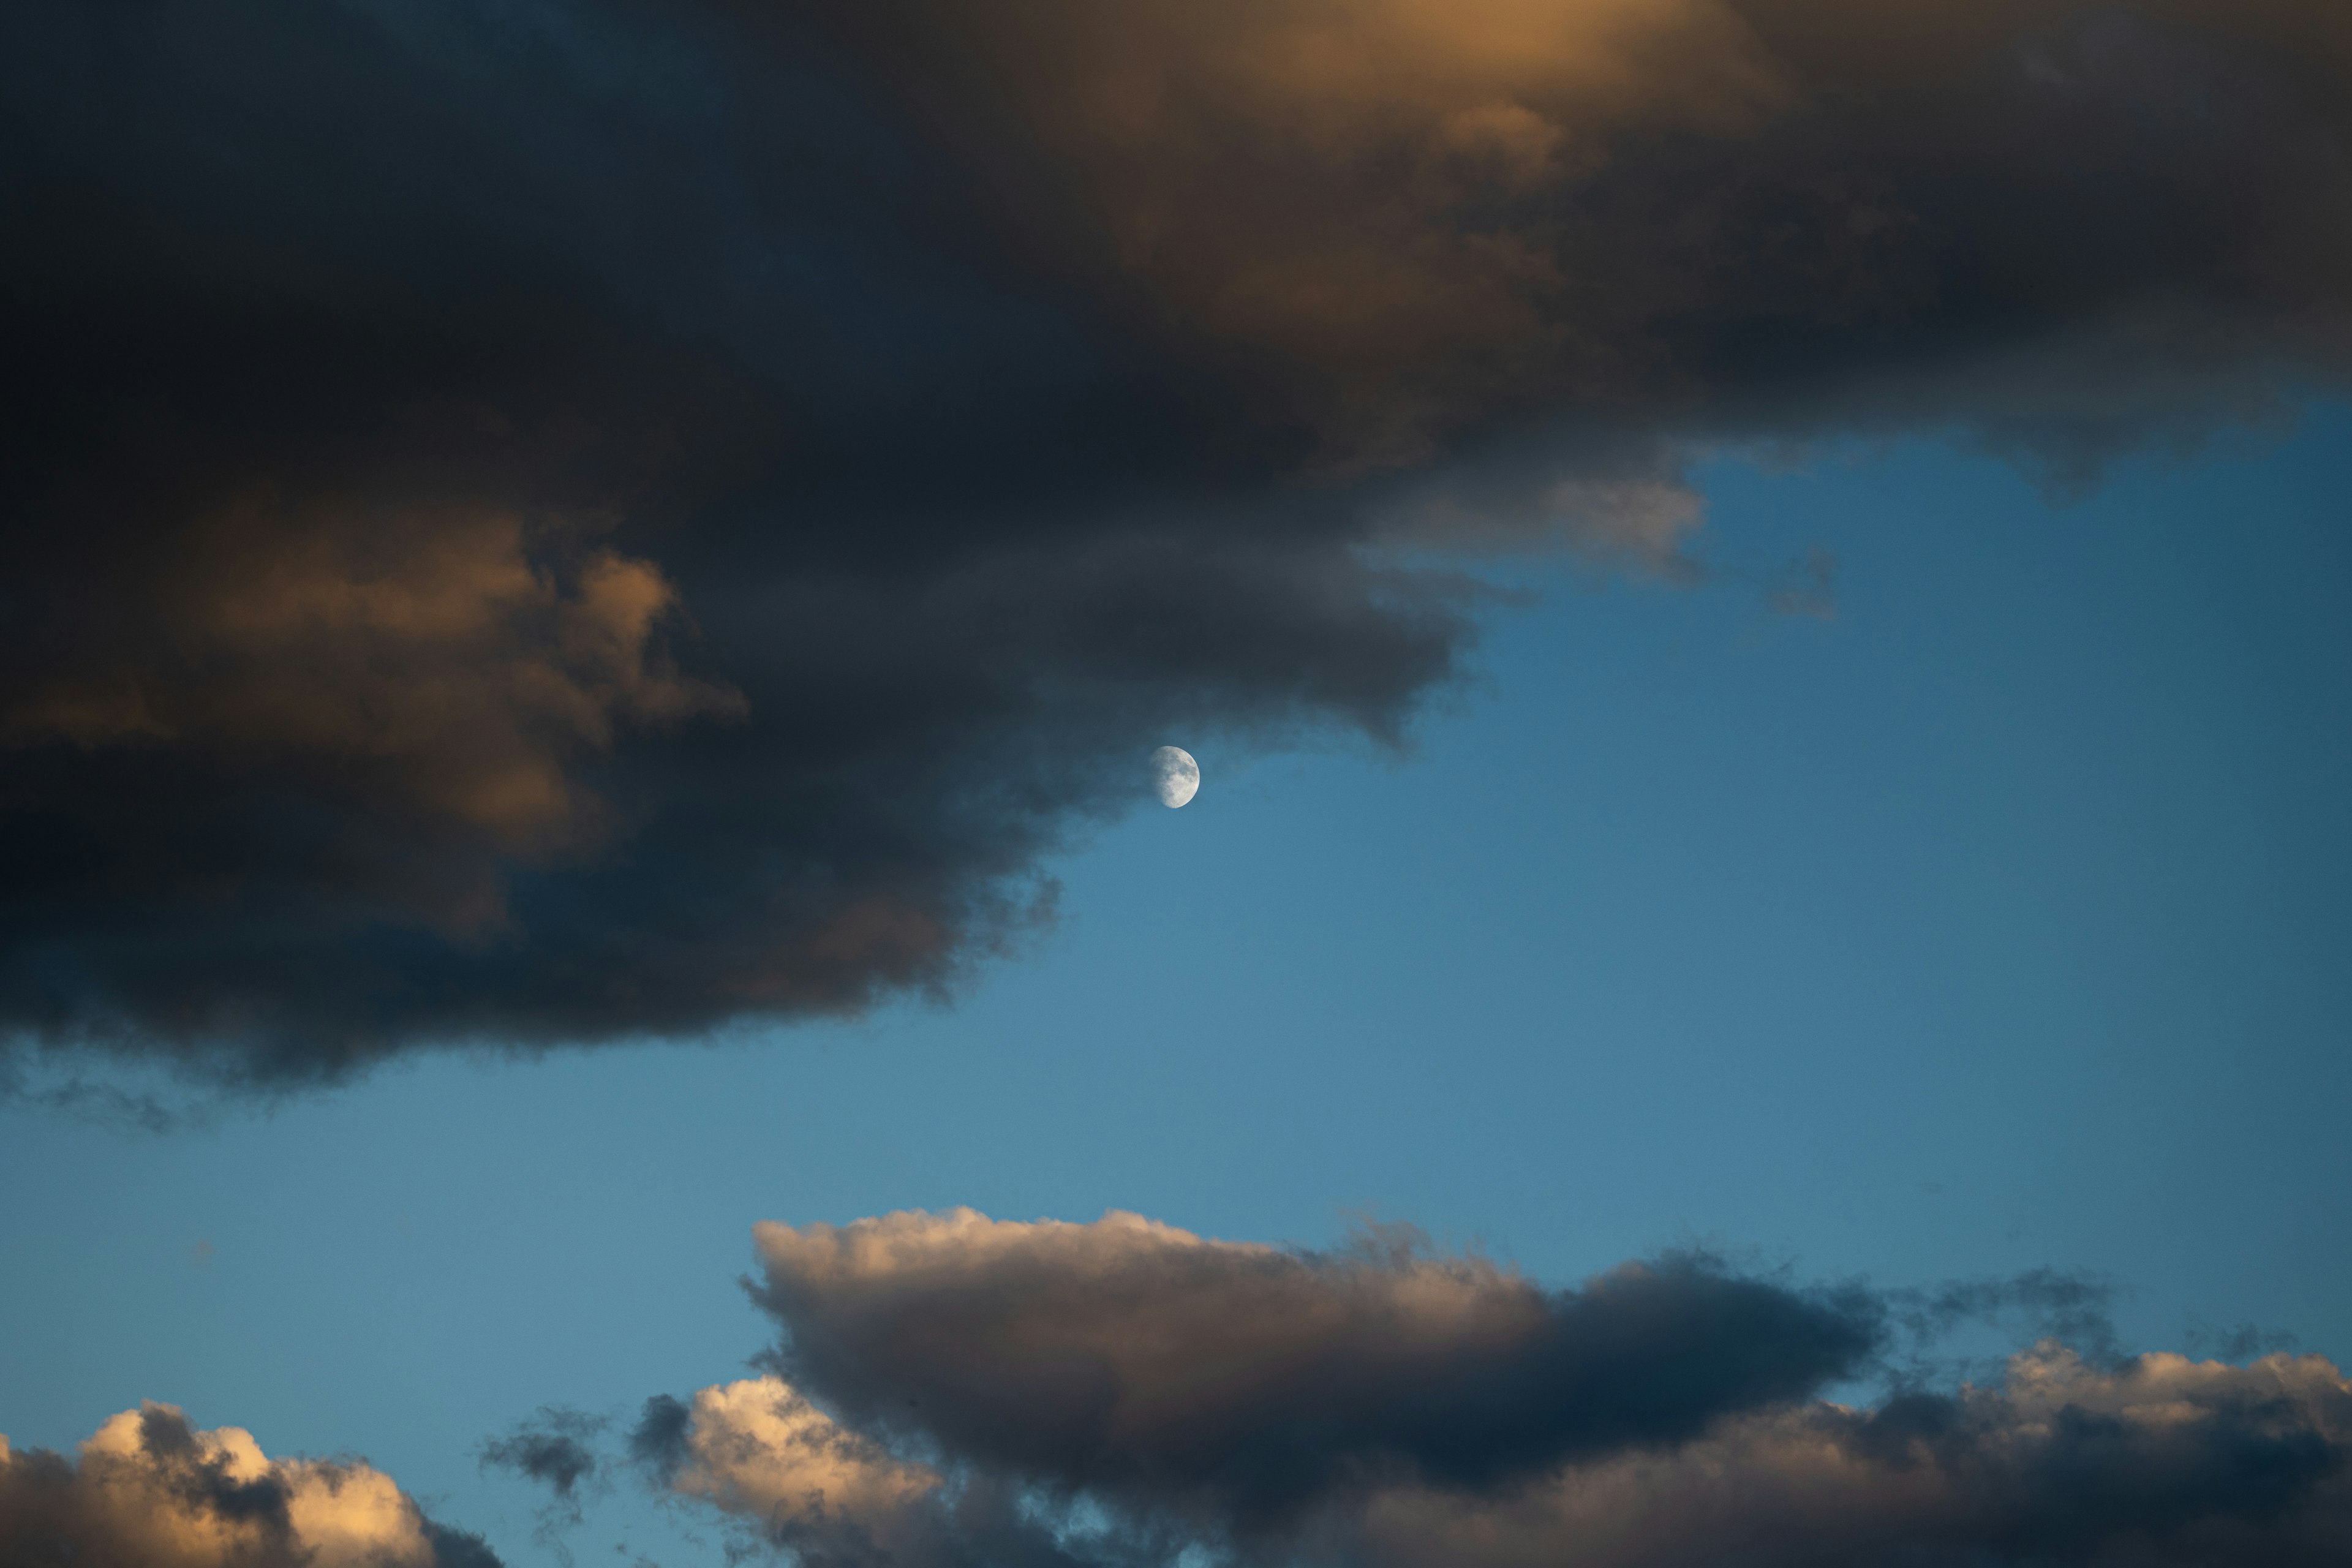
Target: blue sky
column 1996, row 921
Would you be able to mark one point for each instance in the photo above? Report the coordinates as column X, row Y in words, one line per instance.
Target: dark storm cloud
column 2056, row 224
column 951, row 1389
column 547, row 523
column 151, row 1490
column 523, row 528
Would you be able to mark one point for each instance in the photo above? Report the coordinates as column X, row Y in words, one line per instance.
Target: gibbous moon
column 1175, row 775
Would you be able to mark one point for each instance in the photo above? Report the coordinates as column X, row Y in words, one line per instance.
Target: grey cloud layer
column 551, row 523
column 2162, row 1461
column 953, row 1390
column 149, row 1490
column 1129, row 1355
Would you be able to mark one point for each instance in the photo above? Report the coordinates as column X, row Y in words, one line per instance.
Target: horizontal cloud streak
column 1127, row 1355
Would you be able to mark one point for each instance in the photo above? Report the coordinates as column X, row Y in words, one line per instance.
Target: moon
column 1175, row 776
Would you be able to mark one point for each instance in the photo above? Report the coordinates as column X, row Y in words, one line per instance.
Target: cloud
column 1129, row 1355
column 759, row 1452
column 149, row 1488
column 658, row 1443
column 552, row 1447
column 425, row 657
column 2049, row 1303
column 541, row 525
column 953, row 1390
column 757, row 1447
column 555, row 1448
column 441, row 615
column 1405, row 218
column 1646, row 523
column 2162, row 1461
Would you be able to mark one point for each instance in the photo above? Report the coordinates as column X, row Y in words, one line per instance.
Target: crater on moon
column 1175, row 776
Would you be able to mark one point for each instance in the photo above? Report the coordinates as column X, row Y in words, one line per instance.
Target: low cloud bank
column 151, row 1491
column 950, row 1389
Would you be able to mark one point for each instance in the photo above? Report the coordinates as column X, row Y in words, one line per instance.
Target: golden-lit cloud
column 757, row 1447
column 149, row 1490
column 1298, row 176
column 424, row 655
column 1401, row 217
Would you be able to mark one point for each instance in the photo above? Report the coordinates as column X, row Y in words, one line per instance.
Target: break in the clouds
column 952, row 1390
column 554, row 523
column 151, row 1490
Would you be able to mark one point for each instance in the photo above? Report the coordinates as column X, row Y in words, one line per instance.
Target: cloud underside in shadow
column 950, row 1389
column 544, row 526
column 149, row 1490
